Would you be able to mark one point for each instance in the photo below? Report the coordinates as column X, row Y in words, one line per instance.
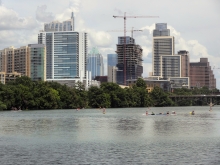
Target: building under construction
column 129, row 60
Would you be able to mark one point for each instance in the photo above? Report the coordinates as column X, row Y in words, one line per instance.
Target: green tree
column 2, row 106
column 141, row 83
column 160, row 98
column 114, row 91
column 46, row 97
column 97, row 98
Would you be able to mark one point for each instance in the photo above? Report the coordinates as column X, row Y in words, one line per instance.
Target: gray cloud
column 42, row 15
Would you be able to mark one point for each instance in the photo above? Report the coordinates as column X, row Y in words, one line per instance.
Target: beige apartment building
column 16, row 62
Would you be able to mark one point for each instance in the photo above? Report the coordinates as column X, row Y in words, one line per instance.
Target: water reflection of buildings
column 93, row 128
column 184, row 125
column 129, row 124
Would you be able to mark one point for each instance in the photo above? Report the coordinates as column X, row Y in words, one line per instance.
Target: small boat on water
column 192, row 113
column 152, row 113
column 161, row 113
column 173, row 113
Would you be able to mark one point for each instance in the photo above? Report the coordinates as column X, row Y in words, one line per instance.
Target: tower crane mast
column 124, row 52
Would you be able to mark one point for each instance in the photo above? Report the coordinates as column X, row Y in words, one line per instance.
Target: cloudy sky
column 194, row 23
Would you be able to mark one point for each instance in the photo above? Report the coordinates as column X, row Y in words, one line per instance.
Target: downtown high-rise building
column 112, row 60
column 67, row 25
column 24, row 61
column 184, row 63
column 201, row 74
column 95, row 63
column 66, row 53
column 167, row 65
column 163, row 45
column 129, row 60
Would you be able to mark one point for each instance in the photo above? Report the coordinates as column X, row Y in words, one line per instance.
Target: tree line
column 25, row 94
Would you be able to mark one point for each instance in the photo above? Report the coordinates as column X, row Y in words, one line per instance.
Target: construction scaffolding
column 133, row 58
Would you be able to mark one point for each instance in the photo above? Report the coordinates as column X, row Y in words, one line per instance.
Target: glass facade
column 171, row 66
column 161, row 30
column 112, row 59
column 95, row 63
column 65, row 54
column 127, row 39
column 37, row 58
column 161, row 46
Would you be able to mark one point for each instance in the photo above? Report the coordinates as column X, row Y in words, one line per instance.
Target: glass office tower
column 112, row 59
column 38, row 62
column 95, row 63
column 66, row 54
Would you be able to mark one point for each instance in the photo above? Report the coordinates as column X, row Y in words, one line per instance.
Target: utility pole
column 124, row 53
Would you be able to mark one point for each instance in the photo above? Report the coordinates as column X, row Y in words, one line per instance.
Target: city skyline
column 194, row 30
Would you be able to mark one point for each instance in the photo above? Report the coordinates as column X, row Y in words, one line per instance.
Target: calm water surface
column 121, row 136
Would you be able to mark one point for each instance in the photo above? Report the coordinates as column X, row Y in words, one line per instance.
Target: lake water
column 120, row 137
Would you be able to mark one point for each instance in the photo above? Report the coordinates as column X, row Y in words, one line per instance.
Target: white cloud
column 96, row 38
column 42, row 15
column 74, row 5
column 196, row 50
column 99, row 38
column 13, row 38
column 10, row 20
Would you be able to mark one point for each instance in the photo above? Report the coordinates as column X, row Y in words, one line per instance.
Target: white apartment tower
column 67, row 25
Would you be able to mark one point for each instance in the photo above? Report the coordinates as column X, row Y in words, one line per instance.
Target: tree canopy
column 29, row 95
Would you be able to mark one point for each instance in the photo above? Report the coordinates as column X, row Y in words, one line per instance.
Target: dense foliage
column 27, row 95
